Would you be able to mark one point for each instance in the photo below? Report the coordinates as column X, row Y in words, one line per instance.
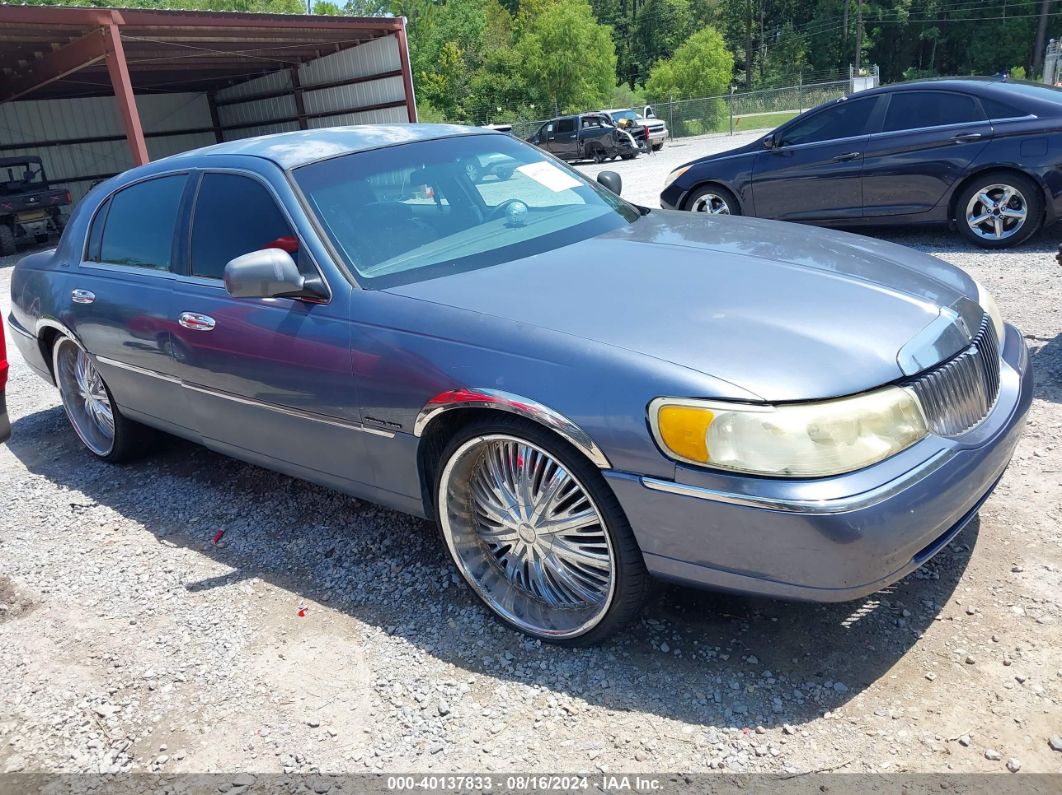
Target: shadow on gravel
column 704, row 658
column 1046, row 357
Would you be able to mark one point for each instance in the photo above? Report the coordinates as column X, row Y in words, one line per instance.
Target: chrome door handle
column 196, row 321
column 847, row 156
column 82, row 296
column 966, row 137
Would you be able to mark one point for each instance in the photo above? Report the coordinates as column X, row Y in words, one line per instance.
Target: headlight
column 795, row 440
column 678, row 172
column 988, row 303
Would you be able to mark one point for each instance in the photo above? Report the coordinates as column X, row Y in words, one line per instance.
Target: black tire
column 596, row 153
column 42, row 238
column 1027, row 196
column 657, row 147
column 630, row 156
column 632, row 582
column 707, row 195
column 7, row 241
column 131, row 440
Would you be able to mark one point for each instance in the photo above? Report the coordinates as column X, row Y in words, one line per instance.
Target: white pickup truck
column 647, row 118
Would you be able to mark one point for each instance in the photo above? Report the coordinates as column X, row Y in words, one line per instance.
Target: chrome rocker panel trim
column 304, row 415
column 513, row 404
column 854, row 502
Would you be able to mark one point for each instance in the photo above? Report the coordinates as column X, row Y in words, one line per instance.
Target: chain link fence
column 731, row 113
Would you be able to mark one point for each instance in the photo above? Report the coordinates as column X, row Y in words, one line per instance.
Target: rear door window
column 914, row 110
column 235, row 215
column 139, row 226
column 566, row 125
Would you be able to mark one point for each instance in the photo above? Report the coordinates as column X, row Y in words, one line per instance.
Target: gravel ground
column 325, row 634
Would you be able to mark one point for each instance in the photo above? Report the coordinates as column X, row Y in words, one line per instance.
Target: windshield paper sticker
column 549, row 175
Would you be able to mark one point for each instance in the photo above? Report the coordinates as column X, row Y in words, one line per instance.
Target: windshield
column 418, row 211
column 624, row 114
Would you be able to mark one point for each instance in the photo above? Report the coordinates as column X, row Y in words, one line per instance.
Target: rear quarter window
column 140, row 221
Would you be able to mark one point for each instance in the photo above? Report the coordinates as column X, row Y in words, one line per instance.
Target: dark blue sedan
column 983, row 156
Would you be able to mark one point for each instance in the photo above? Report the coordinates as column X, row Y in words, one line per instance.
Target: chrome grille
column 959, row 393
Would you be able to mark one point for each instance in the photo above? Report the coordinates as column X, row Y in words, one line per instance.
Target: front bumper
column 671, row 198
column 830, row 539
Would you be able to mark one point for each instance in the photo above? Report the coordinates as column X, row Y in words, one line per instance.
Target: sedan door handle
column 82, row 296
column 196, row 321
column 966, row 138
column 847, row 156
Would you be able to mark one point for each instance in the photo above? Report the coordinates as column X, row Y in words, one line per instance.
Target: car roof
column 976, row 85
column 293, row 149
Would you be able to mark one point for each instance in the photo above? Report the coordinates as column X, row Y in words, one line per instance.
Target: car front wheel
column 89, row 406
column 999, row 210
column 537, row 534
column 713, row 200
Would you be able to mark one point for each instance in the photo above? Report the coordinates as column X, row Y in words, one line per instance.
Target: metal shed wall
column 383, row 96
column 83, row 137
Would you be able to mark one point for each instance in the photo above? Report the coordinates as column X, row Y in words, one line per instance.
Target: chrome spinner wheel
column 997, row 212
column 527, row 536
column 711, row 203
column 84, row 396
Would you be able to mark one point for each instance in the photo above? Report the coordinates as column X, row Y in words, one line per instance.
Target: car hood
column 786, row 312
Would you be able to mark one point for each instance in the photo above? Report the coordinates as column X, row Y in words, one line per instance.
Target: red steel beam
column 56, row 65
column 123, row 93
column 407, row 71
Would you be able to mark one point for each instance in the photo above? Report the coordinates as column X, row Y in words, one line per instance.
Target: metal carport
column 94, row 91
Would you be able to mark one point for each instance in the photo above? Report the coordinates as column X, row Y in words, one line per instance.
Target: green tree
column 702, row 67
column 327, row 8
column 568, row 58
column 660, row 27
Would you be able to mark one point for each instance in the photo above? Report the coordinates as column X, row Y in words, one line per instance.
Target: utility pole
column 1041, row 36
column 748, row 45
column 844, row 29
column 859, row 33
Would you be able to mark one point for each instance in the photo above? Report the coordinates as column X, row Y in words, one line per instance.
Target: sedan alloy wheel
column 527, row 536
column 997, row 212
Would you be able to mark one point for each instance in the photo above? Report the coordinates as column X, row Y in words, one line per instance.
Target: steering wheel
column 502, row 209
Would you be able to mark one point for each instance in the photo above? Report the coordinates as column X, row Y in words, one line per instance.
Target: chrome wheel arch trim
column 498, row 400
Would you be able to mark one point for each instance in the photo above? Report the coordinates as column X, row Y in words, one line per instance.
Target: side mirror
column 772, row 141
column 611, row 180
column 270, row 273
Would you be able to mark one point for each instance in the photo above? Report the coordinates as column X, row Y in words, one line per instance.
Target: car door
column 120, row 298
column 926, row 145
column 270, row 379
column 565, row 141
column 813, row 169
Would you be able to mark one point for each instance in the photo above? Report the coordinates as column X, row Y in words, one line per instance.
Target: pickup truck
column 29, row 206
column 647, row 118
column 585, row 136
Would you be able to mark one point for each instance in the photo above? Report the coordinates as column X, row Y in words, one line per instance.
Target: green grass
column 759, row 121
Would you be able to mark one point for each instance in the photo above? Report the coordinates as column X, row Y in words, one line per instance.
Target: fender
column 513, row 404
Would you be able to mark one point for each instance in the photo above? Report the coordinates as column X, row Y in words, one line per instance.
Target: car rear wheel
column 7, row 240
column 537, row 534
column 999, row 210
column 713, row 200
column 89, row 406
